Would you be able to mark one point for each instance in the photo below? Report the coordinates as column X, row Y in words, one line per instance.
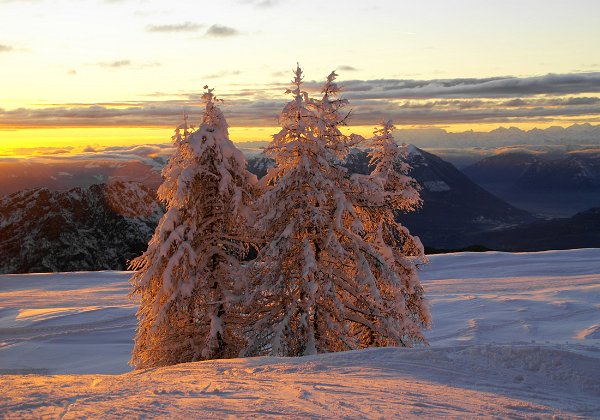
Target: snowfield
column 514, row 335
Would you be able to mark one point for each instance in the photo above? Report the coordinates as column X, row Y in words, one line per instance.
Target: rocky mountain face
column 541, row 184
column 573, row 172
column 259, row 165
column 94, row 228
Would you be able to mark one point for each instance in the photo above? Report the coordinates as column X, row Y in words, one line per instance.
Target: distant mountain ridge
column 573, row 172
column 497, row 173
column 575, row 135
column 65, row 175
column 553, row 186
column 103, row 226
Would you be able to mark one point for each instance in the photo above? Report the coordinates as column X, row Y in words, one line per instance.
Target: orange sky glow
column 107, row 73
column 69, row 140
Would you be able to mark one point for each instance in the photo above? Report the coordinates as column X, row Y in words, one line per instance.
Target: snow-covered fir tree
column 189, row 280
column 383, row 195
column 319, row 283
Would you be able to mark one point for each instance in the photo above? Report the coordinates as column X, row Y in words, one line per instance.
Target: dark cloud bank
column 501, row 100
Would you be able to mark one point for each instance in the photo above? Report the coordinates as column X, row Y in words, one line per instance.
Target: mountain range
column 544, row 184
column 574, row 135
column 104, row 226
column 57, row 174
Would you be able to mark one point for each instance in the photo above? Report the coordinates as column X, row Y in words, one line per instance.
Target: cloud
column 177, row 27
column 94, row 164
column 93, row 115
column 347, row 68
column 115, row 64
column 261, row 4
column 444, row 104
column 221, row 31
column 367, row 114
column 153, row 155
column 241, row 112
column 515, row 102
column 370, row 102
column 5, row 48
column 493, row 87
column 591, row 151
column 137, row 150
column 23, row 151
column 582, row 101
column 223, row 73
column 256, row 111
column 150, row 154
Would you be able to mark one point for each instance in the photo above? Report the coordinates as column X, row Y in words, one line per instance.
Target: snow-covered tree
column 330, row 118
column 396, row 192
column 319, row 283
column 183, row 131
column 189, row 280
column 383, row 195
column 296, row 307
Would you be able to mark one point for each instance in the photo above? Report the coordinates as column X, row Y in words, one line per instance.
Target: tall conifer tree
column 385, row 195
column 190, row 278
column 321, row 283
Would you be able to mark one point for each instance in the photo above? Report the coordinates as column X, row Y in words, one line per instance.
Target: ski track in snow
column 514, row 335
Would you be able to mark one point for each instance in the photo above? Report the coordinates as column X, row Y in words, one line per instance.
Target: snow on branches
column 189, row 280
column 333, row 271
column 327, row 278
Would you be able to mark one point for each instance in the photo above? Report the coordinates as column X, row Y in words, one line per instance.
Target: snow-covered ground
column 514, row 335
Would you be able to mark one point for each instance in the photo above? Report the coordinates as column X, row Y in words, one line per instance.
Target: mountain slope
column 549, row 185
column 571, row 173
column 259, row 165
column 498, row 173
column 101, row 227
column 580, row 231
column 95, row 228
column 454, row 207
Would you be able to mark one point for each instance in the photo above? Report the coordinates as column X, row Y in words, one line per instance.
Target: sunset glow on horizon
column 110, row 73
column 69, row 140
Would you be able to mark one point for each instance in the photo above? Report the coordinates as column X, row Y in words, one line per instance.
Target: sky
column 81, row 73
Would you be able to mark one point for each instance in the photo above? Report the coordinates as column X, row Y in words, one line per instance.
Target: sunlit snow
column 514, row 335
